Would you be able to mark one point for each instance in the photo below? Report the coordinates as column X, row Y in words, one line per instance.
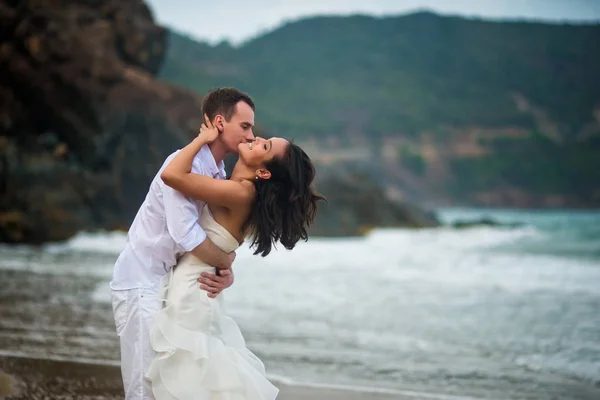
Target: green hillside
column 423, row 74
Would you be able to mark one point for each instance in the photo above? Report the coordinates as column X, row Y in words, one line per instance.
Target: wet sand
column 39, row 379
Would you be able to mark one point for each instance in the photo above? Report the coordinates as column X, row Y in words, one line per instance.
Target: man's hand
column 214, row 284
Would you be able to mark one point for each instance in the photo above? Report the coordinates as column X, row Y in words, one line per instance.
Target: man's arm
column 182, row 223
column 214, row 283
column 208, row 252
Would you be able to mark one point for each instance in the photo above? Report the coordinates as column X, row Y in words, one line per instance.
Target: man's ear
column 263, row 173
column 220, row 122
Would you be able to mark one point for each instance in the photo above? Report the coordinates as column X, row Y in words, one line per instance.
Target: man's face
column 239, row 128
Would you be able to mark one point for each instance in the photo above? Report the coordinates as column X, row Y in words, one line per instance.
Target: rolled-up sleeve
column 182, row 219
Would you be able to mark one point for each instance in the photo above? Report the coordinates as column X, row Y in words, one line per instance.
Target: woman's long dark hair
column 286, row 204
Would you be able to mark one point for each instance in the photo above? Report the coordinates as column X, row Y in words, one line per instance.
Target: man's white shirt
column 165, row 227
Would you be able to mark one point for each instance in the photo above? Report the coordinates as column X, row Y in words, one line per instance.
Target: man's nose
column 250, row 137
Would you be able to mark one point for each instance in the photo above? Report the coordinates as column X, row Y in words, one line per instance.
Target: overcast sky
column 239, row 20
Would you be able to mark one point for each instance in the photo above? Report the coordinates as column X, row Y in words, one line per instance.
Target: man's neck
column 218, row 150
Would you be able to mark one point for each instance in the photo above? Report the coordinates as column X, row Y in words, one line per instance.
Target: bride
column 201, row 353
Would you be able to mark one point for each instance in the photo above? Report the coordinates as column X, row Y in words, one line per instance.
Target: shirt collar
column 211, row 164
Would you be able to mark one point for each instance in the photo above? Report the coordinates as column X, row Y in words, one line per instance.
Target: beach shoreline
column 38, row 378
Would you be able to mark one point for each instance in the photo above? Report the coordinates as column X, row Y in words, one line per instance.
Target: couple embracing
column 176, row 340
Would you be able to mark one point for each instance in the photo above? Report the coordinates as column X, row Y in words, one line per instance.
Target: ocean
column 486, row 312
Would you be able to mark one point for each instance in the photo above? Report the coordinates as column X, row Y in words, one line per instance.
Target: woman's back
column 233, row 219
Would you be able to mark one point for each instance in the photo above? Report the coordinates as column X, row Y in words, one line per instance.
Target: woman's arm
column 178, row 175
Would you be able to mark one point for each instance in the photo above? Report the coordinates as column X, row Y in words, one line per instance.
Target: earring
column 256, row 178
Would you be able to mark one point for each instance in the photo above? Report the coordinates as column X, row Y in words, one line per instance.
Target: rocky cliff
column 83, row 123
column 456, row 111
column 356, row 203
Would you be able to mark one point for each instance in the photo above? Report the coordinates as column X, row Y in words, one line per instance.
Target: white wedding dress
column 201, row 353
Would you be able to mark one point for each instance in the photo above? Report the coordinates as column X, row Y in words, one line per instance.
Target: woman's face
column 255, row 154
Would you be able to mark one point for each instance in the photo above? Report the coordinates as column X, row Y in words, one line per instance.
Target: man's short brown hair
column 222, row 101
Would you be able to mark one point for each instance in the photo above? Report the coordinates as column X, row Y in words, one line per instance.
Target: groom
column 165, row 227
